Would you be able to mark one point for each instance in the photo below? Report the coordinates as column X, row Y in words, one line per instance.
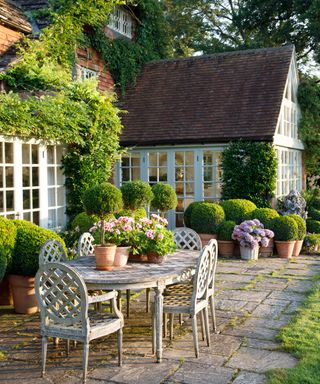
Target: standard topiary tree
column 187, row 213
column 313, row 226
column 164, row 197
column 102, row 200
column 285, row 228
column 206, row 217
column 264, row 215
column 136, row 194
column 83, row 222
column 8, row 234
column 302, row 227
column 225, row 230
column 237, row 209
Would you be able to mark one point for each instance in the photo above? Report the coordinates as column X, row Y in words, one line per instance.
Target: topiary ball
column 225, row 230
column 285, row 228
column 83, row 222
column 187, row 213
column 206, row 217
column 136, row 194
column 8, row 234
column 164, row 197
column 237, row 209
column 264, row 215
column 3, row 263
column 302, row 227
column 313, row 226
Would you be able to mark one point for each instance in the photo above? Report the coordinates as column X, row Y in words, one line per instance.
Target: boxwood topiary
column 316, row 203
column 83, row 222
column 164, row 197
column 302, row 227
column 29, row 240
column 225, row 230
column 285, row 228
column 313, row 226
column 136, row 194
column 206, row 217
column 187, row 213
column 137, row 213
column 264, row 215
column 314, row 214
column 8, row 234
column 237, row 209
column 3, row 263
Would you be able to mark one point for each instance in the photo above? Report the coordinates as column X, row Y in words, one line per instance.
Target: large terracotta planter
column 297, row 248
column 5, row 292
column 285, row 248
column 153, row 257
column 206, row 237
column 226, row 248
column 249, row 253
column 24, row 297
column 105, row 255
column 121, row 256
column 267, row 251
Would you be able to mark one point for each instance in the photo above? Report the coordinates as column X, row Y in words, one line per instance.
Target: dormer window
column 121, row 22
column 86, row 73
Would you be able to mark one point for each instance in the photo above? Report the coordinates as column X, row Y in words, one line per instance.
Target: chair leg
column 120, row 333
column 213, row 314
column 165, row 325
column 206, row 324
column 147, row 300
column 68, row 347
column 180, row 319
column 44, row 354
column 128, row 303
column 202, row 325
column 85, row 361
column 195, row 335
column 153, row 332
column 171, row 317
column 119, row 301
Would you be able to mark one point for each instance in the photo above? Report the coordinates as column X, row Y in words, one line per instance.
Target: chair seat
column 179, row 289
column 181, row 304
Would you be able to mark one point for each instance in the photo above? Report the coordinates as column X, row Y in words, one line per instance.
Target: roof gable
column 12, row 17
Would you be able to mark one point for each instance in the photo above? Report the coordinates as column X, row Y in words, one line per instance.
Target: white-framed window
column 7, row 176
column 121, row 21
column 157, row 167
column 212, row 173
column 87, row 73
column 130, row 167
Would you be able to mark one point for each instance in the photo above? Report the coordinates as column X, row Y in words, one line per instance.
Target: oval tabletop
column 178, row 267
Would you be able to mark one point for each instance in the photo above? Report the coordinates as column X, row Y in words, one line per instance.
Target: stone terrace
column 253, row 301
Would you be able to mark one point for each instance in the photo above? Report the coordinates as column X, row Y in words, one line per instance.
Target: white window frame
column 86, row 73
column 121, row 21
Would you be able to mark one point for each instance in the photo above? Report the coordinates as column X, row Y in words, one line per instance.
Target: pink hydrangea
column 150, row 234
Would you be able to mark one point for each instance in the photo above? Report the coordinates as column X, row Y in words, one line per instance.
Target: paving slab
column 250, row 378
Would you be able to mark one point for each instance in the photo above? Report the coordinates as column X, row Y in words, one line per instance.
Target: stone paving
column 253, row 301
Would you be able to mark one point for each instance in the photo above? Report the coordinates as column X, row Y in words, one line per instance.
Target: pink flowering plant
column 251, row 234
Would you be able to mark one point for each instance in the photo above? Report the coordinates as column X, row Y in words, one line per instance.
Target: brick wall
column 90, row 59
column 7, row 38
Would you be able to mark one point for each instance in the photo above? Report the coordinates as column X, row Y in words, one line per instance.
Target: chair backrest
column 213, row 246
column 52, row 251
column 187, row 238
column 62, row 296
column 85, row 245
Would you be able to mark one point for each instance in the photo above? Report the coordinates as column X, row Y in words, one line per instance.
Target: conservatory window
column 157, row 170
column 212, row 172
column 87, row 73
column 130, row 167
column 289, row 171
column 7, row 174
column 121, row 22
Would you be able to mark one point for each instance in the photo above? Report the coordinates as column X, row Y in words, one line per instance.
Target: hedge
column 237, row 209
column 206, row 217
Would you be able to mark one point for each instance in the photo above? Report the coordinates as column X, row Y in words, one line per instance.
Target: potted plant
column 250, row 234
column 136, row 194
column 25, row 263
column 101, row 200
column 237, row 209
column 205, row 219
column 164, row 198
column 302, row 230
column 187, row 213
column 286, row 234
column 225, row 242
column 312, row 242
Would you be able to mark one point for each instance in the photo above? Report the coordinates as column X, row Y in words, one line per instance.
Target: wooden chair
column 194, row 303
column 52, row 251
column 187, row 238
column 85, row 245
column 64, row 301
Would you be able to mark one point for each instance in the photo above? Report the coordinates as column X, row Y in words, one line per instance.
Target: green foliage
column 313, row 226
column 3, row 263
column 8, row 234
column 206, row 217
column 264, row 215
column 302, row 227
column 225, row 230
column 137, row 214
column 29, row 241
column 237, row 209
column 285, row 228
column 164, row 197
column 188, row 212
column 249, row 172
column 312, row 242
column 136, row 194
column 84, row 222
column 314, row 214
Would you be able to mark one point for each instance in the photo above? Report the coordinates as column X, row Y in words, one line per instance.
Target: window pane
column 190, row 188
column 60, row 152
column 135, row 160
column 51, row 197
column 10, row 199
column 125, row 162
column 180, row 188
column 35, row 177
column 1, row 202
column 35, row 198
column 26, row 200
column 51, row 218
column 189, row 158
column 60, row 177
column 153, row 159
column 60, row 217
column 9, row 177
column 27, row 216
column 35, row 154
column 163, row 159
column 179, row 158
column 60, row 192
column 50, row 154
column 36, row 218
column 1, row 153
column 135, row 173
column 125, row 174
column 189, row 173
column 25, row 153
column 153, row 174
column 1, row 177
column 180, row 206
column 51, row 178
column 26, row 177
column 163, row 174
column 8, row 152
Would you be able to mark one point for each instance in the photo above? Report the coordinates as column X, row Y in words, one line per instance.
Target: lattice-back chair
column 64, row 301
column 52, row 251
column 85, row 245
column 187, row 238
column 194, row 302
column 213, row 245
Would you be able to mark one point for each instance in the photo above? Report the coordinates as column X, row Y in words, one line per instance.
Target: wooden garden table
column 178, row 267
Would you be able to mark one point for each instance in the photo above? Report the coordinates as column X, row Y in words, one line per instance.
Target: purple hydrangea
column 251, row 234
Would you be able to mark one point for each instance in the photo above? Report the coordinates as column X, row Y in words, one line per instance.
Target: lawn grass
column 301, row 337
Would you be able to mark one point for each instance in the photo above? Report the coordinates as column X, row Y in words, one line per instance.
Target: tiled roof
column 11, row 16
column 41, row 21
column 207, row 99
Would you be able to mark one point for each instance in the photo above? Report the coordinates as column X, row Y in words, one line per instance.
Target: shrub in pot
column 164, row 198
column 312, row 242
column 237, row 209
column 205, row 219
column 136, row 194
column 225, row 242
column 286, row 233
column 188, row 212
column 314, row 214
column 313, row 226
column 302, row 230
column 25, row 263
column 101, row 200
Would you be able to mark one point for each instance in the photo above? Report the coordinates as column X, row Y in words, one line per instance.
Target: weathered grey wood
column 213, row 244
column 63, row 301
column 85, row 245
column 187, row 238
column 52, row 251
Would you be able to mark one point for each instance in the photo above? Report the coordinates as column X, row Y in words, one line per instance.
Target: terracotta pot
column 206, row 237
column 267, row 251
column 297, row 248
column 24, row 297
column 249, row 253
column 285, row 248
column 5, row 292
column 153, row 257
column 226, row 248
column 138, row 258
column 121, row 256
column 105, row 255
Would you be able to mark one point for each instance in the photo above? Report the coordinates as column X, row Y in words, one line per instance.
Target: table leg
column 158, row 304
